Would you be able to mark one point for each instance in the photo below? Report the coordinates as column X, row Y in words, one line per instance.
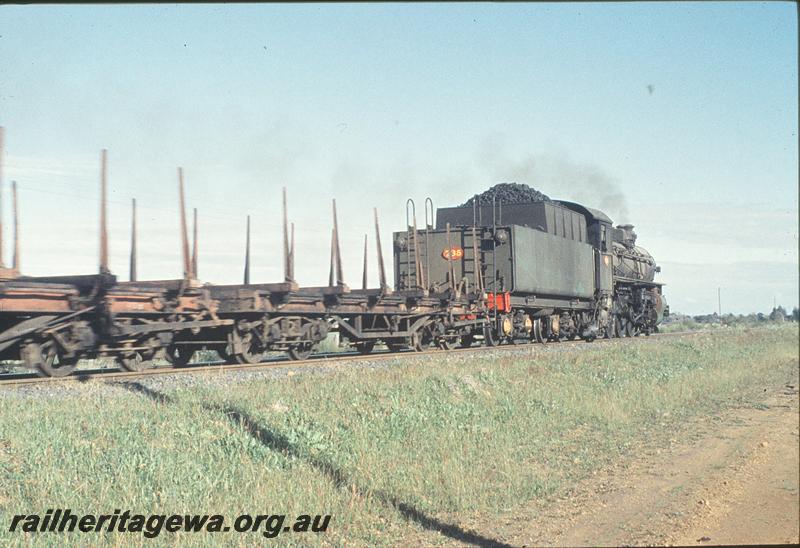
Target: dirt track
column 734, row 480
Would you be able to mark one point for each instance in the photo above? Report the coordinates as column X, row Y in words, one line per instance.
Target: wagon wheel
column 395, row 346
column 133, row 362
column 300, row 352
column 224, row 353
column 421, row 339
column 365, row 347
column 251, row 349
column 467, row 341
column 178, row 356
column 448, row 343
column 302, row 349
column 490, row 337
column 45, row 360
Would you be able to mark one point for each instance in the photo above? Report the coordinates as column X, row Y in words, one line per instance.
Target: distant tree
column 778, row 314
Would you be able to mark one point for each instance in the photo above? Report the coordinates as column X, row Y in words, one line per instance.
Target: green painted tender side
column 545, row 264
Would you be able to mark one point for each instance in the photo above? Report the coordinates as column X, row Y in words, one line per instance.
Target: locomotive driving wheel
column 619, row 327
column 628, row 328
column 608, row 330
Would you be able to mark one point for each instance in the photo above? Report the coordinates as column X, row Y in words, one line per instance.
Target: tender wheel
column 45, row 360
column 178, row 356
column 628, row 328
column 467, row 341
column 536, row 331
column 365, row 347
column 133, row 362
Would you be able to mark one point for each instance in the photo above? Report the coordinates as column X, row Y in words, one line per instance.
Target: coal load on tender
column 508, row 193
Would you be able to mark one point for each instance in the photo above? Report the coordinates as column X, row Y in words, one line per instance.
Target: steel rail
column 115, row 375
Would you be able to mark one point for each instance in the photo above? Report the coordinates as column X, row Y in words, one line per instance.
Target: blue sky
column 680, row 118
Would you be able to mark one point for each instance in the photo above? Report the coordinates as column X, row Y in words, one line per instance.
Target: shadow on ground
column 277, row 442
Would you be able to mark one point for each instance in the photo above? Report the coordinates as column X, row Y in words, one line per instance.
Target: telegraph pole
column 719, row 301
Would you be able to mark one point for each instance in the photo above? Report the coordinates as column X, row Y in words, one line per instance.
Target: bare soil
column 732, row 479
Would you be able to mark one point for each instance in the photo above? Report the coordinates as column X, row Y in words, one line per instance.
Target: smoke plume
column 559, row 177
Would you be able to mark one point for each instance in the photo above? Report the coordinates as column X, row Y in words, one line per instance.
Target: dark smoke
column 562, row 179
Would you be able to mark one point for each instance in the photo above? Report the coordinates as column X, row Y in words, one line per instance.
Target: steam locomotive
column 550, row 270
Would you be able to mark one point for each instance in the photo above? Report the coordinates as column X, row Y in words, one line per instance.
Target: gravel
column 509, row 193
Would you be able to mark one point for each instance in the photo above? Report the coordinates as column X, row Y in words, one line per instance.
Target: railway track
column 115, row 375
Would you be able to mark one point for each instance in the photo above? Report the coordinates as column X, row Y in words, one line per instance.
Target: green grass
column 392, row 453
column 687, row 324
